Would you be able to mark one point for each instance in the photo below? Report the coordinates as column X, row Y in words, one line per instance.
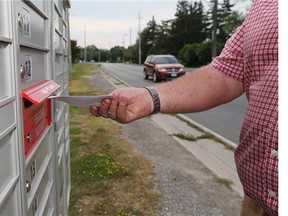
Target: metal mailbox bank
column 34, row 131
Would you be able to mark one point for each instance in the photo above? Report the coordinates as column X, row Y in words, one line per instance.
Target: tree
column 163, row 41
column 101, row 55
column 197, row 23
column 116, row 53
column 178, row 33
column 224, row 12
column 75, row 51
column 232, row 21
column 189, row 26
column 196, row 54
column 148, row 38
column 217, row 17
column 188, row 55
column 91, row 51
column 131, row 54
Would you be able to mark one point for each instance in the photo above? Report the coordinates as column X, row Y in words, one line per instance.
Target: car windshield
column 165, row 60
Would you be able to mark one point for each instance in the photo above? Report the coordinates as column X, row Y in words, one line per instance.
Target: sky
column 116, row 22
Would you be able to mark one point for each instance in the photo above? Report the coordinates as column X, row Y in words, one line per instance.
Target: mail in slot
column 36, row 107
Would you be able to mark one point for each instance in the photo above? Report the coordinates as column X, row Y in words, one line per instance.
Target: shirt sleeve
column 230, row 61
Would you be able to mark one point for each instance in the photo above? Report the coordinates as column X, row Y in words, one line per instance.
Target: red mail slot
column 36, row 112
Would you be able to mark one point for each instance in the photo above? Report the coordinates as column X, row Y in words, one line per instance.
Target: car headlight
column 162, row 69
column 181, row 70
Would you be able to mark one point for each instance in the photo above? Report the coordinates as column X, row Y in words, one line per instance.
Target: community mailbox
column 35, row 62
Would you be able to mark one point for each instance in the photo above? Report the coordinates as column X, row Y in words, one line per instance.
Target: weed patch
column 97, row 167
column 190, row 137
column 206, row 135
column 226, row 182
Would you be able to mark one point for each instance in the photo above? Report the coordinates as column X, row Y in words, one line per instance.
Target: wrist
column 155, row 98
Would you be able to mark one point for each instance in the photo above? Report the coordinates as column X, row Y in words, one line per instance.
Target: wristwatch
column 156, row 100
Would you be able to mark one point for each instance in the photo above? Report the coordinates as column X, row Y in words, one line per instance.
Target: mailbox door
column 10, row 177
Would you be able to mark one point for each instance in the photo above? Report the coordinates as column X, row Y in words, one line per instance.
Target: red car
column 162, row 67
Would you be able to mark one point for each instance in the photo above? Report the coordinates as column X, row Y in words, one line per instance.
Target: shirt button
column 274, row 153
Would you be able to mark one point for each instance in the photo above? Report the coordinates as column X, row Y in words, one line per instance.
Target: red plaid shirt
column 251, row 56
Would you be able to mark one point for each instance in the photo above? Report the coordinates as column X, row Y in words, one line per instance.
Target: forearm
column 201, row 90
column 198, row 91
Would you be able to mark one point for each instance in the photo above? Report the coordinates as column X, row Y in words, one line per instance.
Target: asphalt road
column 225, row 120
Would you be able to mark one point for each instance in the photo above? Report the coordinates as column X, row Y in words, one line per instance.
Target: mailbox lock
column 20, row 20
column 29, row 138
column 33, row 170
column 28, row 186
column 35, row 207
column 22, row 71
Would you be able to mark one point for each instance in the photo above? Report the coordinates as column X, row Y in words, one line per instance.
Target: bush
column 196, row 54
column 188, row 55
column 204, row 52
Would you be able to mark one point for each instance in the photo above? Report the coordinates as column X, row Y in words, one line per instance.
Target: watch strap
column 156, row 100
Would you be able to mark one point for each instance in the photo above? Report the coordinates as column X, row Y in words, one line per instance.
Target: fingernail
column 105, row 102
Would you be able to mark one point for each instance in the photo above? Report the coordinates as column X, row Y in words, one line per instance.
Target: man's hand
column 127, row 105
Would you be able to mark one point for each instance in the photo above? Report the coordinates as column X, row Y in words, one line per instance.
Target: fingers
column 102, row 110
column 94, row 111
column 115, row 109
column 111, row 113
column 121, row 114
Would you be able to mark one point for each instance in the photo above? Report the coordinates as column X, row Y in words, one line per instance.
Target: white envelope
column 82, row 101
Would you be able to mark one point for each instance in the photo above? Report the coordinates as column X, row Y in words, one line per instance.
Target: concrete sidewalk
column 214, row 155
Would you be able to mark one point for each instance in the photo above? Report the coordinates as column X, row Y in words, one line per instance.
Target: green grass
column 190, row 137
column 186, row 136
column 206, row 135
column 226, row 182
column 97, row 167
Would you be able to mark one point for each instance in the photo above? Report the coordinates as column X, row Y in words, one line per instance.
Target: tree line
column 188, row 36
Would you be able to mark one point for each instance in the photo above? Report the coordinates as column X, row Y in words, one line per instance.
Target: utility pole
column 130, row 35
column 214, row 29
column 130, row 47
column 85, row 43
column 139, row 39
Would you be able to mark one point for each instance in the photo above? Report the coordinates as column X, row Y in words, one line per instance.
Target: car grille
column 173, row 70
